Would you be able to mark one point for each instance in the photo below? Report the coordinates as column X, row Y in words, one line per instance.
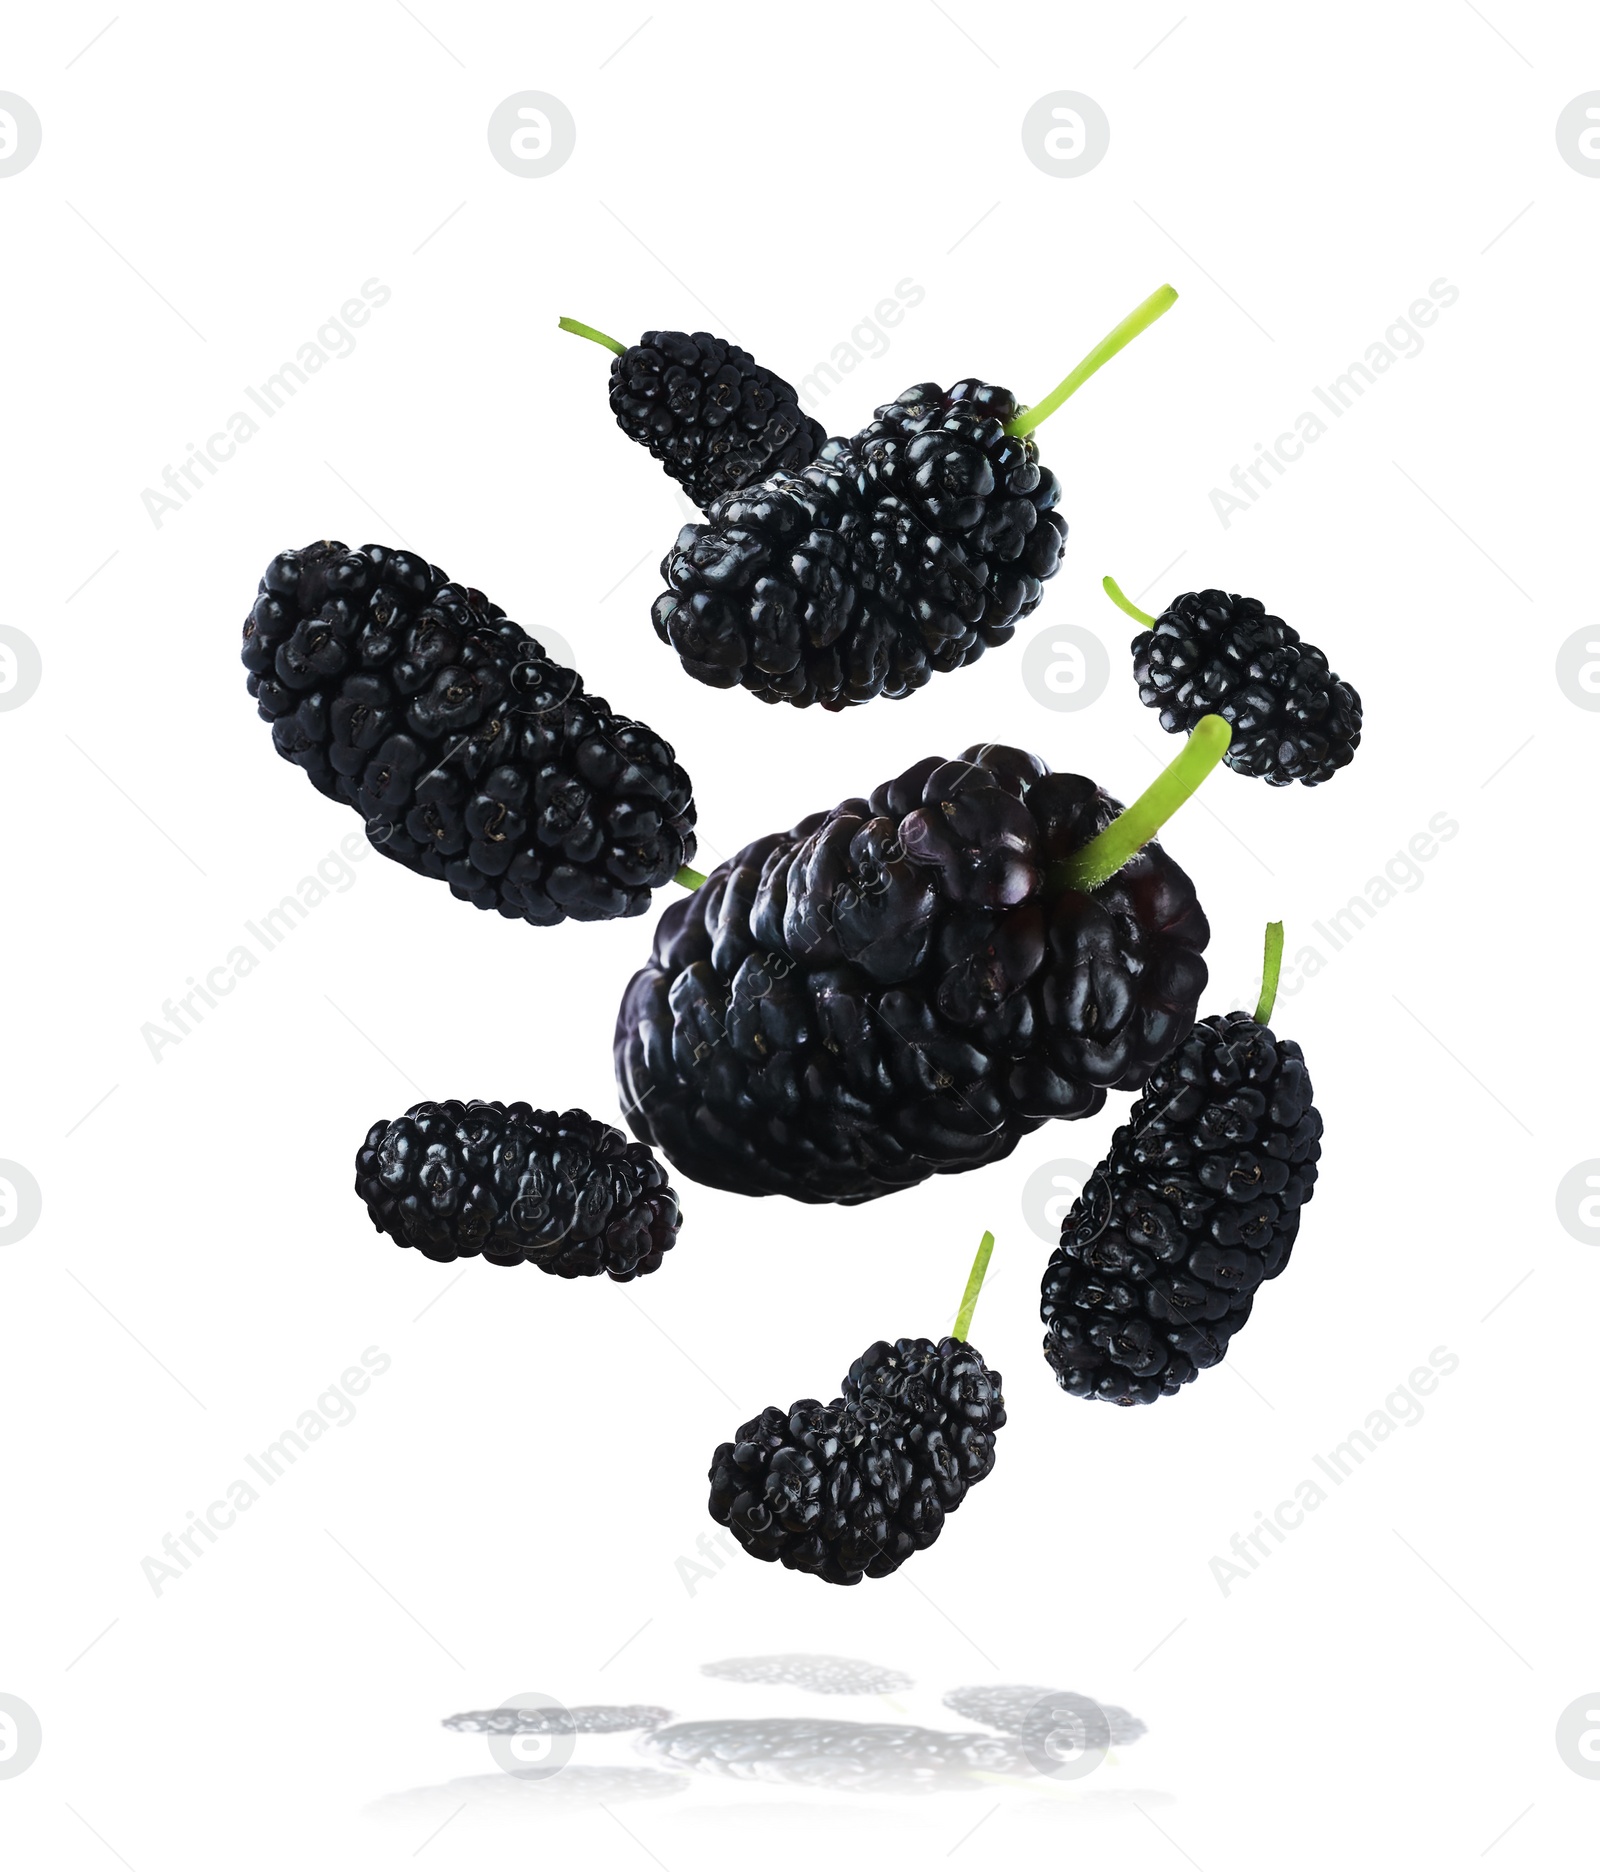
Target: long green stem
column 588, row 331
column 1026, row 421
column 1131, row 831
column 969, row 1300
column 1124, row 603
column 688, row 877
column 1271, row 968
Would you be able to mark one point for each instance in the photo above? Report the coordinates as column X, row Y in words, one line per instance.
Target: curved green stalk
column 588, row 331
column 969, row 1300
column 1131, row 831
column 688, row 877
column 1271, row 968
column 1124, row 603
column 1146, row 313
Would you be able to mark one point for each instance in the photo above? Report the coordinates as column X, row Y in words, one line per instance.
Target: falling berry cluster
column 901, row 987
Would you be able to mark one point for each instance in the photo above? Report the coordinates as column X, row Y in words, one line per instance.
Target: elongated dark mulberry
column 905, row 550
column 470, row 754
column 850, row 1490
column 558, row 1189
column 1215, row 653
column 713, row 417
column 897, row 988
column 1197, row 1203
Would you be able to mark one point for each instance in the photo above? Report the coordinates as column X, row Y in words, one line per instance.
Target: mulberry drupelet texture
column 850, row 1490
column 713, row 417
column 898, row 553
column 558, row 1189
column 1213, row 652
column 471, row 755
column 835, row 570
column 904, row 986
column 1197, row 1203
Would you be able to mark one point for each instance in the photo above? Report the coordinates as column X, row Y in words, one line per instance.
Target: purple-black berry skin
column 471, row 756
column 900, row 988
column 1197, row 1203
column 894, row 555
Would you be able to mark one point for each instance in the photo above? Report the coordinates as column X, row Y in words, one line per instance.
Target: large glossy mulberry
column 899, row 988
column 713, row 417
column 1197, row 1203
column 907, row 549
column 853, row 1488
column 470, row 754
column 558, row 1189
column 1215, row 653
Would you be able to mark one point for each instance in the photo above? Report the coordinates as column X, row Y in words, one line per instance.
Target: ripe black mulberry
column 470, row 754
column 1215, row 653
column 905, row 986
column 1197, row 1203
column 850, row 1490
column 561, row 1190
column 713, row 417
column 875, row 561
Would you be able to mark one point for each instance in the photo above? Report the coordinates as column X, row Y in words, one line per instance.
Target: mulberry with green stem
column 713, row 417
column 911, row 983
column 1196, row 1205
column 850, row 1490
column 1213, row 652
column 890, row 556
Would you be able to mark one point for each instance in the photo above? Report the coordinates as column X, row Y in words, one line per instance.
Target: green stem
column 688, row 877
column 1131, row 831
column 588, row 331
column 1124, row 603
column 1271, row 967
column 969, row 1300
column 1026, row 421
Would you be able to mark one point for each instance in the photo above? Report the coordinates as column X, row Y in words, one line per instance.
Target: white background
column 508, row 1510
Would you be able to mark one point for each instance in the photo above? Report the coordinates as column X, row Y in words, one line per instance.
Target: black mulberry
column 853, row 1488
column 883, row 558
column 713, row 417
column 1215, row 653
column 1197, row 1203
column 909, row 985
column 471, row 756
column 560, row 1190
